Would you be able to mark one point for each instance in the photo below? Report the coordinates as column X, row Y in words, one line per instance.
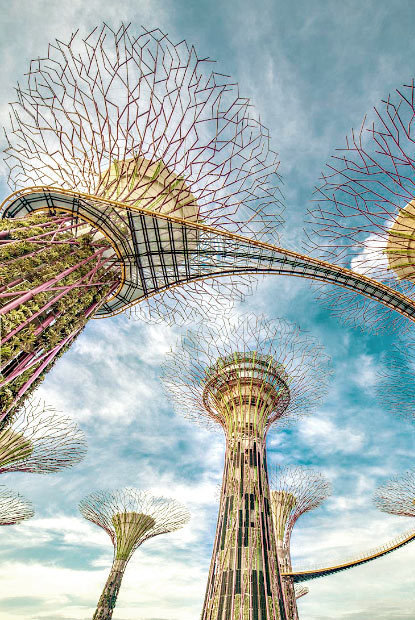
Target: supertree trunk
column 55, row 271
column 108, row 598
column 244, row 580
column 288, row 590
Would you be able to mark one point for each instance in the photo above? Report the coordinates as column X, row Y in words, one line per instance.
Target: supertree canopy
column 13, row 507
column 245, row 376
column 140, row 177
column 397, row 496
column 294, row 491
column 364, row 217
column 130, row 517
column 40, row 441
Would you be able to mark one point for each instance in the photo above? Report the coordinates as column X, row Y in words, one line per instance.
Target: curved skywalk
column 314, row 573
column 157, row 252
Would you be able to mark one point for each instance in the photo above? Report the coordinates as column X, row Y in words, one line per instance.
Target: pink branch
column 45, row 286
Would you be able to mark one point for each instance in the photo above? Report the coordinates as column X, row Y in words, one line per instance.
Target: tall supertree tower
column 13, row 507
column 397, row 496
column 364, row 218
column 40, row 441
column 294, row 491
column 245, row 376
column 130, row 517
column 140, row 176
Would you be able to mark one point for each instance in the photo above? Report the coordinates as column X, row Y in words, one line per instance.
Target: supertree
column 365, row 212
column 130, row 517
column 294, row 491
column 397, row 496
column 395, row 384
column 141, row 175
column 13, row 507
column 245, row 375
column 105, row 131
column 40, row 441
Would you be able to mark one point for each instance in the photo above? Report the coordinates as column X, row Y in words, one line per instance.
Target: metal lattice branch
column 96, row 104
column 300, row 358
column 397, row 496
column 40, row 441
column 365, row 213
column 14, row 507
column 294, row 491
column 143, row 121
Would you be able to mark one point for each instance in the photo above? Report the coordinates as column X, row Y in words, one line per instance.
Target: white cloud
column 324, row 435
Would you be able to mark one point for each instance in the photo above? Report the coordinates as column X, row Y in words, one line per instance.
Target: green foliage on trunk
column 25, row 265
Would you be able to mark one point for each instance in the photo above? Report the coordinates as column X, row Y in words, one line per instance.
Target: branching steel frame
column 152, row 262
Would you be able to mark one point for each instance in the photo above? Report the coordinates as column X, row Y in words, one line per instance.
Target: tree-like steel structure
column 396, row 380
column 294, row 491
column 131, row 122
column 141, row 175
column 245, row 376
column 130, row 517
column 365, row 213
column 397, row 496
column 13, row 507
column 40, row 441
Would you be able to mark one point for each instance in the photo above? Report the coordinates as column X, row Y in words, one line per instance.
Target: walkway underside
column 397, row 543
column 158, row 252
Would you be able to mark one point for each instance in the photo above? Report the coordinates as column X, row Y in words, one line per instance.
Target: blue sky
column 313, row 69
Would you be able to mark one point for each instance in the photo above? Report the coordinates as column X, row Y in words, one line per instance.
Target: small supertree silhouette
column 243, row 376
column 397, row 496
column 294, row 491
column 13, row 507
column 300, row 591
column 40, row 441
column 129, row 516
column 396, row 386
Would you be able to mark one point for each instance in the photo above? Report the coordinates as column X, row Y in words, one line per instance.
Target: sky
column 312, row 70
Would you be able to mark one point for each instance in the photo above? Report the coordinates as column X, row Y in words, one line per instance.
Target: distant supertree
column 141, row 176
column 396, row 379
column 397, row 496
column 294, row 491
column 130, row 517
column 40, row 441
column 365, row 215
column 14, row 507
column 245, row 375
column 300, row 591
